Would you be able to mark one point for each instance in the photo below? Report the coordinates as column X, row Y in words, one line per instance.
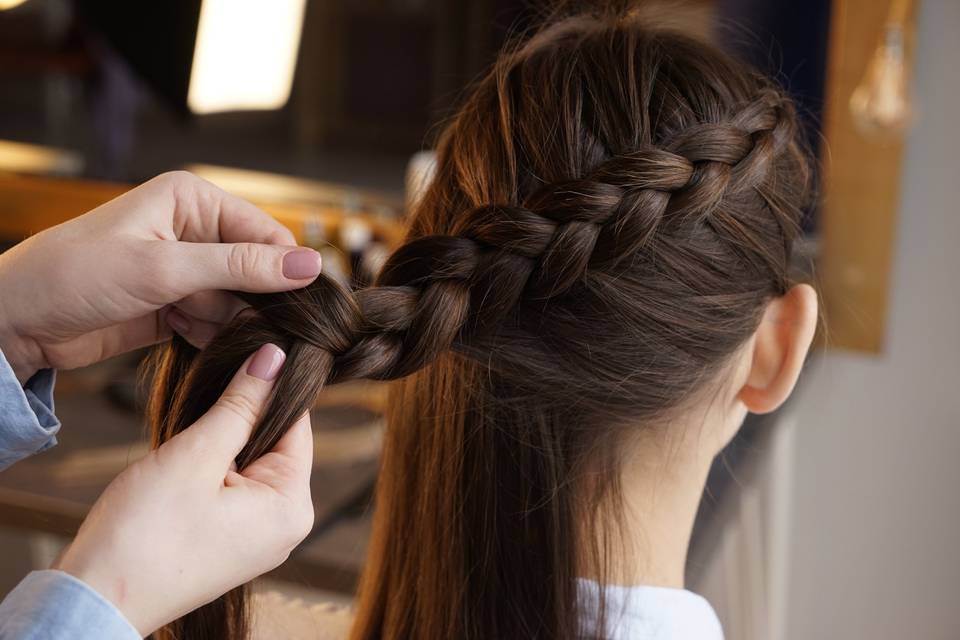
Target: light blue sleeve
column 53, row 605
column 46, row 605
column 27, row 422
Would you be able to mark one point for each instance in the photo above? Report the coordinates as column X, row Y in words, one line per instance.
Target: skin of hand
column 121, row 276
column 181, row 526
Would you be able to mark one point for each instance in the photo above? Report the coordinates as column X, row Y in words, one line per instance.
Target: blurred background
column 836, row 517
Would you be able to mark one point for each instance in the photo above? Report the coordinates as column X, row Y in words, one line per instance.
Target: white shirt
column 634, row 613
column 648, row 613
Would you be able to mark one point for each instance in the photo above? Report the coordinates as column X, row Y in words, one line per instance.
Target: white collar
column 647, row 613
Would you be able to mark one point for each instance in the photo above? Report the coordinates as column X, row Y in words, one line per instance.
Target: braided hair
column 613, row 206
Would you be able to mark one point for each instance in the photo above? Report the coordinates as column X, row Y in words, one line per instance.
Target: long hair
column 614, row 204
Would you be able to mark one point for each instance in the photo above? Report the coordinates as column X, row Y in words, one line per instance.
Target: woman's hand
column 120, row 276
column 180, row 527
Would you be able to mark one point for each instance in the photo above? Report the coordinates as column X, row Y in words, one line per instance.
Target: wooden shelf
column 29, row 204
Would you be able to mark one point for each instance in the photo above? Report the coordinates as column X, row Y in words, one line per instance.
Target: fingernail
column 301, row 263
column 267, row 362
column 178, row 322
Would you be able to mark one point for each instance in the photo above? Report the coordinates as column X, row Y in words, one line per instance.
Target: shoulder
column 276, row 616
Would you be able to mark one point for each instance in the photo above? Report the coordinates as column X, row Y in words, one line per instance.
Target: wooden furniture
column 29, row 204
column 860, row 191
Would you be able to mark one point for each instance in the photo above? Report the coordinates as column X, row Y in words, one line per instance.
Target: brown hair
column 614, row 205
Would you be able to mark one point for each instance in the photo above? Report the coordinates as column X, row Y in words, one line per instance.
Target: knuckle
column 296, row 518
column 176, row 178
column 303, row 520
column 303, row 523
column 282, row 557
column 239, row 406
column 194, row 196
column 244, row 262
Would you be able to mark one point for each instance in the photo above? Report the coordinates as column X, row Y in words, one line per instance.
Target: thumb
column 241, row 266
column 227, row 426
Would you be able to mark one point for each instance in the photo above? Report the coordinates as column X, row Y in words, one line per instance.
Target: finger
column 207, row 213
column 133, row 334
column 289, row 462
column 297, row 443
column 241, row 221
column 110, row 341
column 198, row 333
column 218, row 307
column 227, row 426
column 257, row 268
column 286, row 471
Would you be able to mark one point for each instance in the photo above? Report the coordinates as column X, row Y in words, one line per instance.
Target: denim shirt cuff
column 53, row 605
column 28, row 423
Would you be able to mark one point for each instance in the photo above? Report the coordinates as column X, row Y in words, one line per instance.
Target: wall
column 874, row 546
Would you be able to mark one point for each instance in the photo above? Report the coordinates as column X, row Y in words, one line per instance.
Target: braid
column 440, row 291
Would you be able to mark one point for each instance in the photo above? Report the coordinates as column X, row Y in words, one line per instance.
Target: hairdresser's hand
column 179, row 528
column 107, row 282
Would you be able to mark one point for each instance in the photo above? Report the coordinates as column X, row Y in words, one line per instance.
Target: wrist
column 15, row 349
column 23, row 355
column 111, row 589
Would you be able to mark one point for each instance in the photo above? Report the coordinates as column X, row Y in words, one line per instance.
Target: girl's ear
column 780, row 346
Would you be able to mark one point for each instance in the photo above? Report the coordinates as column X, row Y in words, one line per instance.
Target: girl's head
column 599, row 266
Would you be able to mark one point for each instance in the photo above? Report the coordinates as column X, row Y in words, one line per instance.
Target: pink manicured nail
column 267, row 362
column 178, row 322
column 300, row 264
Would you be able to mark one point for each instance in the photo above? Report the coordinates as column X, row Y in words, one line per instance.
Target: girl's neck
column 660, row 505
column 661, row 488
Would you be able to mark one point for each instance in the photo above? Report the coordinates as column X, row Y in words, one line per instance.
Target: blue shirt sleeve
column 46, row 605
column 27, row 422
column 53, row 605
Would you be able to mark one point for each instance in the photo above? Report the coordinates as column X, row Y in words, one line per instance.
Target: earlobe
column 780, row 346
